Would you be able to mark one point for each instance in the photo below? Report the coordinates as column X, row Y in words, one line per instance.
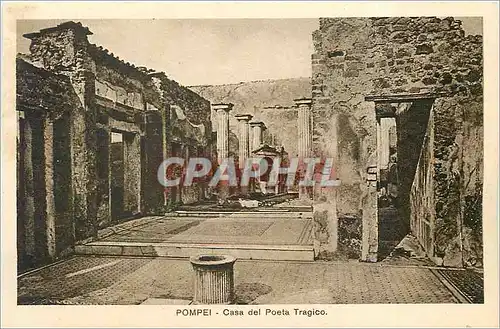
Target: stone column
column 257, row 129
column 305, row 136
column 244, row 145
column 244, row 131
column 222, row 111
column 304, row 126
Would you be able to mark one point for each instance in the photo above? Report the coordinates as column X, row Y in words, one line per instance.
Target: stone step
column 242, row 214
column 288, row 208
column 186, row 250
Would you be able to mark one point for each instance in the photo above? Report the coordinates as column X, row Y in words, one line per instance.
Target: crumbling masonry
column 396, row 102
column 71, row 97
column 426, row 76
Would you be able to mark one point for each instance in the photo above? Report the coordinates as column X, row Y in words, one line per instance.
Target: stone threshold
column 243, row 214
column 166, row 301
column 185, row 250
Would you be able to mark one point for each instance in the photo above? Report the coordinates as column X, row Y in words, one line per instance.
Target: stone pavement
column 113, row 280
column 274, row 235
column 206, row 230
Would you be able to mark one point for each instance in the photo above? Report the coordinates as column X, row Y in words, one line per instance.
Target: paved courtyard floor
column 214, row 230
column 122, row 280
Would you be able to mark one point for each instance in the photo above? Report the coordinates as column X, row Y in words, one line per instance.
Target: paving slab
column 469, row 283
column 166, row 301
column 132, row 281
column 154, row 231
column 275, row 231
column 243, row 231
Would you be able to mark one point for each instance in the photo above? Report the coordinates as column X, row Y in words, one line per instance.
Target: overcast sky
column 199, row 51
column 195, row 52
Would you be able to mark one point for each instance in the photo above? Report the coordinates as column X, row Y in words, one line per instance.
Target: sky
column 208, row 51
column 199, row 51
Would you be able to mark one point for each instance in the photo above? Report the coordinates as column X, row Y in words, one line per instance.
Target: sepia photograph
column 259, row 162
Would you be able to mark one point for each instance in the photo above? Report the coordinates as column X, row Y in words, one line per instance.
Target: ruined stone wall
column 63, row 50
column 422, row 214
column 458, row 175
column 196, row 107
column 357, row 57
column 156, row 96
column 45, row 199
column 82, row 93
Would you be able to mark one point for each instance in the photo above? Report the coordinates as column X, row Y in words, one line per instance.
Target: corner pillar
column 84, row 157
column 50, row 220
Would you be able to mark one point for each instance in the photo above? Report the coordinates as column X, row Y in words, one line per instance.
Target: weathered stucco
column 72, row 96
column 358, row 57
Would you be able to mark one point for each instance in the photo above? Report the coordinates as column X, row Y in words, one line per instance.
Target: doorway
column 401, row 129
column 125, row 172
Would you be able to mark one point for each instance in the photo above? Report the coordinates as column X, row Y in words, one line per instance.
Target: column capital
column 303, row 101
column 244, row 117
column 258, row 124
column 222, row 107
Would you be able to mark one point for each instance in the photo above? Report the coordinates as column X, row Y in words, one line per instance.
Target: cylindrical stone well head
column 214, row 279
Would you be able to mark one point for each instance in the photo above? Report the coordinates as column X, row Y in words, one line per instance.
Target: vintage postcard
column 274, row 164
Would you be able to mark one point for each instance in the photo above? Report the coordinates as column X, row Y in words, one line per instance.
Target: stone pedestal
column 214, row 279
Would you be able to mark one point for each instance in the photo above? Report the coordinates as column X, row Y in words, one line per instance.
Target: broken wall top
column 65, row 50
column 398, row 55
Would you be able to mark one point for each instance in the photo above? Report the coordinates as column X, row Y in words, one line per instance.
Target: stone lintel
column 258, row 124
column 222, row 107
column 243, row 117
column 391, row 98
column 277, row 106
column 303, row 101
